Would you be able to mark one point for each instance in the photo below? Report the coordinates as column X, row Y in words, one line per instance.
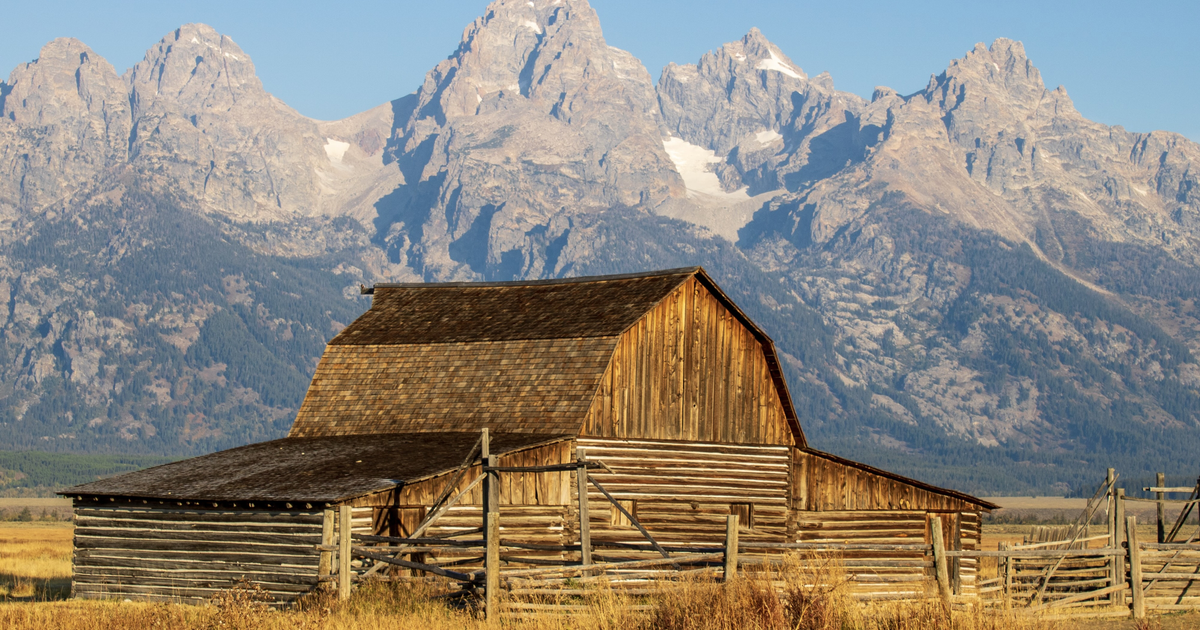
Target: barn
column 659, row 376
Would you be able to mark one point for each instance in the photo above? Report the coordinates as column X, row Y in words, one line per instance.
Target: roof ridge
column 679, row 271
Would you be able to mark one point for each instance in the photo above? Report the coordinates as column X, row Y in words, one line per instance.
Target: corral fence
column 1108, row 572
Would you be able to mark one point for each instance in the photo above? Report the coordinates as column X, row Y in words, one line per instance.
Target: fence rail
column 1054, row 573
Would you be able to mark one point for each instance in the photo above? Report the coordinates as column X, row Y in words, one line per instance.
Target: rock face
column 971, row 276
column 552, row 121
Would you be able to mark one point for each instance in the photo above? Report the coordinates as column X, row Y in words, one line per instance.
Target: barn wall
column 684, row 492
column 689, row 370
column 533, row 506
column 172, row 553
column 823, row 484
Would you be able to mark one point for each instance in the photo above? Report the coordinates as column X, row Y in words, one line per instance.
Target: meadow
column 35, row 570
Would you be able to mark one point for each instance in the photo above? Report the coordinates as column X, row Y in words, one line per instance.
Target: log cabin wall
column 682, row 493
column 149, row 551
column 533, row 506
column 838, row 501
column 689, row 370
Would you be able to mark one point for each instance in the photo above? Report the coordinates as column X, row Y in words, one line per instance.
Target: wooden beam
column 1135, row 569
column 731, row 547
column 344, row 522
column 1160, row 480
column 420, row 566
column 429, row 520
column 325, row 567
column 939, row 561
column 585, row 526
column 492, row 567
column 632, row 519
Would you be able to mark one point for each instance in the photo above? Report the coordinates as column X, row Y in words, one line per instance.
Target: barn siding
column 533, row 506
column 683, row 492
column 689, row 370
column 147, row 552
column 823, row 484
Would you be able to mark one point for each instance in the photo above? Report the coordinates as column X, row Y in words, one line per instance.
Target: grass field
column 35, row 573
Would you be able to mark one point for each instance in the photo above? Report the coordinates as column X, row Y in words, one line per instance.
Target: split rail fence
column 1123, row 575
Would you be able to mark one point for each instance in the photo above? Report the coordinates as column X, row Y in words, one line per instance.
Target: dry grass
column 35, row 562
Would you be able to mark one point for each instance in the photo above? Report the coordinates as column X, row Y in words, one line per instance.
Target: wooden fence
column 1063, row 575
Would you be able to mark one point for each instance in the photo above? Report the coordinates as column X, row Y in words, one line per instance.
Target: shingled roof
column 514, row 356
column 317, row 470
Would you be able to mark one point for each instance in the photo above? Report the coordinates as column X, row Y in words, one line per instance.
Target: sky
column 1132, row 64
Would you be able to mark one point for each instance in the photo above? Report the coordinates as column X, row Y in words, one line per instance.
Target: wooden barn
column 659, row 376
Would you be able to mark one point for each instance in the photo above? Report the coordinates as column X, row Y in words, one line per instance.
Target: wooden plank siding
column 823, row 483
column 683, row 492
column 157, row 552
column 689, row 370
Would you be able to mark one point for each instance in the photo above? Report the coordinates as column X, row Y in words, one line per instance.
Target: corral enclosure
column 674, row 399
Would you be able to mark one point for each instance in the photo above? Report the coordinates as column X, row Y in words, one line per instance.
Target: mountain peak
column 195, row 64
column 66, row 79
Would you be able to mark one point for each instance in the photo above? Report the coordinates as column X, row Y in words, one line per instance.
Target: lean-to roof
column 317, row 470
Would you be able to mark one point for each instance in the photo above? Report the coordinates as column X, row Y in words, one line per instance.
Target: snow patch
column 195, row 41
column 234, row 57
column 335, row 150
column 530, row 4
column 478, row 99
column 532, row 26
column 514, row 87
column 767, row 136
column 776, row 64
column 740, row 57
column 692, row 163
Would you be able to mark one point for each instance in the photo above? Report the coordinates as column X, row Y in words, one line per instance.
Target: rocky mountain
column 973, row 283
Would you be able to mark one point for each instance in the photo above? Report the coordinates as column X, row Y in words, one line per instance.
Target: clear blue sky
column 1133, row 64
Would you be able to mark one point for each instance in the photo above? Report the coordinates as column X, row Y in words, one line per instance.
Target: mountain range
column 972, row 284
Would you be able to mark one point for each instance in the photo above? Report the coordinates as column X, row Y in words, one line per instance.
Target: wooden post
column 1135, row 569
column 484, row 460
column 731, row 547
column 344, row 523
column 956, row 562
column 1008, row 575
column 585, row 523
column 491, row 488
column 1120, row 560
column 939, row 561
column 1114, row 576
column 325, row 566
column 1160, row 480
column 492, row 567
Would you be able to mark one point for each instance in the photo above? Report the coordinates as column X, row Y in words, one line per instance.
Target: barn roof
column 522, row 356
column 318, row 470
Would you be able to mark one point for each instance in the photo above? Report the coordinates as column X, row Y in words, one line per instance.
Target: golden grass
column 35, row 561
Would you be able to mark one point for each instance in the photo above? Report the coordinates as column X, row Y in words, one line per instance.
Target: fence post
column 344, row 523
column 1120, row 559
column 585, row 523
column 325, row 565
column 939, row 561
column 1135, row 568
column 1160, row 480
column 731, row 547
column 491, row 567
column 1008, row 575
column 1114, row 576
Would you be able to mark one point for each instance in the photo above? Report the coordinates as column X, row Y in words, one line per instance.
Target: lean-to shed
column 658, row 375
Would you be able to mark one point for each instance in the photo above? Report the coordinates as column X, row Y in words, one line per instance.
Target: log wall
column 683, row 492
column 172, row 553
column 689, row 370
